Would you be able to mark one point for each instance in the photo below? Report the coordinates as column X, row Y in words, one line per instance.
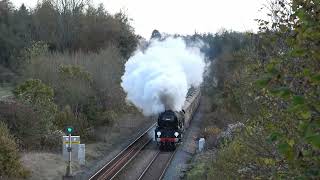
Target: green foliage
column 40, row 97
column 244, row 159
column 10, row 166
column 37, row 49
column 300, row 93
column 73, row 72
column 197, row 172
column 275, row 82
column 35, row 92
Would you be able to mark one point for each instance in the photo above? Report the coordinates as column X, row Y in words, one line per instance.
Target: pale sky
column 183, row 16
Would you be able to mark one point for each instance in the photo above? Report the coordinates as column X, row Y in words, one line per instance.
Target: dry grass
column 45, row 166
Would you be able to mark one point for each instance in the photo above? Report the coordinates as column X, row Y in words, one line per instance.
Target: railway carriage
column 172, row 124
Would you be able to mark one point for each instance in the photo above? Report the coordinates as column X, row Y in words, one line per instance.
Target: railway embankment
column 112, row 140
column 217, row 127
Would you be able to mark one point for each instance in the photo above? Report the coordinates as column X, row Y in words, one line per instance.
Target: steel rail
column 156, row 159
column 167, row 165
column 113, row 167
column 132, row 157
column 146, row 169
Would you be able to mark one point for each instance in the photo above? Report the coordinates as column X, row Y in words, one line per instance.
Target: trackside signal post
column 69, row 130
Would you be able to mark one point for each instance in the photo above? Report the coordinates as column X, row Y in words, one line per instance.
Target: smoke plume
column 159, row 77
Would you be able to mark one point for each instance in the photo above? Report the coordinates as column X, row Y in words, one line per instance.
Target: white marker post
column 82, row 154
column 201, row 144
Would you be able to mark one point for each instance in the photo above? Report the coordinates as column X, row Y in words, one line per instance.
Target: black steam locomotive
column 172, row 124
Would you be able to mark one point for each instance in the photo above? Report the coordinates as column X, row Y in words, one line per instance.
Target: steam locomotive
column 172, row 124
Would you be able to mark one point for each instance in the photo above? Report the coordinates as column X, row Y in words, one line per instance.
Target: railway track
column 113, row 167
column 158, row 166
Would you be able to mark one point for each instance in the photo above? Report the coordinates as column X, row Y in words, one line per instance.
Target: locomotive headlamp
column 176, row 134
column 158, row 133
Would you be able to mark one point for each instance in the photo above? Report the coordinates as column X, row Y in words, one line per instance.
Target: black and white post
column 69, row 131
column 69, row 169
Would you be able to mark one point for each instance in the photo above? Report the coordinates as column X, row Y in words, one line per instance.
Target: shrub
column 107, row 117
column 198, row 172
column 39, row 97
column 10, row 165
column 74, row 87
column 52, row 141
column 23, row 122
column 31, row 116
column 79, row 121
column 248, row 156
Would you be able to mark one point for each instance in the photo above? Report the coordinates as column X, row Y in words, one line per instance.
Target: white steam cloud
column 159, row 78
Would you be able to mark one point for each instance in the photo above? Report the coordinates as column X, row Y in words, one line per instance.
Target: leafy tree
column 293, row 81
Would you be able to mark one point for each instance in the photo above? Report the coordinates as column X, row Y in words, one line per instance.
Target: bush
column 10, row 165
column 23, row 122
column 80, row 123
column 248, row 156
column 198, row 172
column 39, row 97
column 52, row 141
column 30, row 117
